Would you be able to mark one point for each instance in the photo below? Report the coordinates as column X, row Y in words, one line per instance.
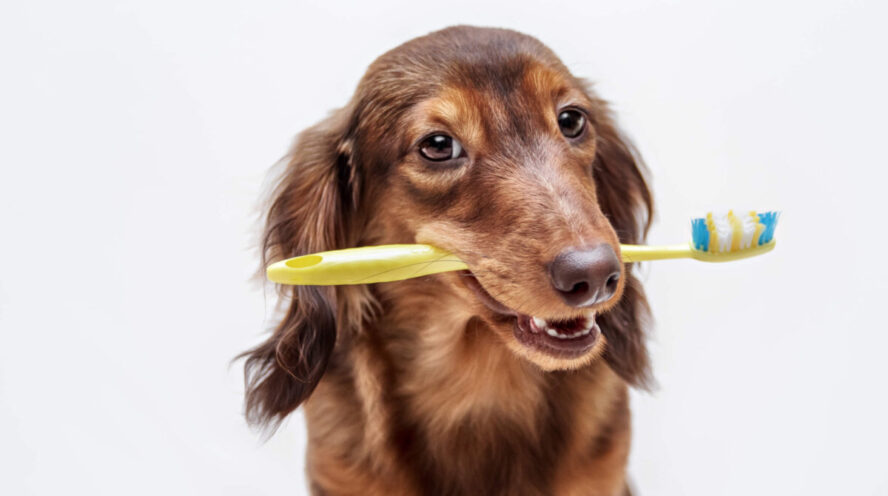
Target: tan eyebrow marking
column 454, row 110
column 553, row 87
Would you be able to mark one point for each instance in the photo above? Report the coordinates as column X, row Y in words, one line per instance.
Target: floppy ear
column 306, row 215
column 625, row 199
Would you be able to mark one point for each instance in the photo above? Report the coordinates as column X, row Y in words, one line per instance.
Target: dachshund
column 511, row 377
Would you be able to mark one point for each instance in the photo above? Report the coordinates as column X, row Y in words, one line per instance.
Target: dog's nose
column 584, row 277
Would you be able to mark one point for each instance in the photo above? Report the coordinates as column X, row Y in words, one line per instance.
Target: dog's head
column 481, row 142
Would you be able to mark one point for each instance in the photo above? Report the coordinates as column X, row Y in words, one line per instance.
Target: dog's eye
column 440, row 147
column 572, row 123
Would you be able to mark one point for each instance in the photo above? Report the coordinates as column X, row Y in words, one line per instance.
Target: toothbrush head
column 731, row 236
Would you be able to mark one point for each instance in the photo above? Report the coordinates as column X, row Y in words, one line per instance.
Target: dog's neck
column 461, row 410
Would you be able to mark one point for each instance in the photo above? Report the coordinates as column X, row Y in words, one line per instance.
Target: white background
column 135, row 140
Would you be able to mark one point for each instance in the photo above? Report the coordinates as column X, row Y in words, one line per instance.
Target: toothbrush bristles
column 732, row 232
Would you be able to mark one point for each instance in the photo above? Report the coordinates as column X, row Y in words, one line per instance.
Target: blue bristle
column 769, row 219
column 700, row 234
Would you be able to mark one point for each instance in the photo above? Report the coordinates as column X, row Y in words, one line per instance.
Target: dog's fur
column 415, row 387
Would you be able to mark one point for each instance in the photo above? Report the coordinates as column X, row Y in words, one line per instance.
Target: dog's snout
column 586, row 276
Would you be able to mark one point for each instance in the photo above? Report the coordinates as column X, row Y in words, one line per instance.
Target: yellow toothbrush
column 715, row 238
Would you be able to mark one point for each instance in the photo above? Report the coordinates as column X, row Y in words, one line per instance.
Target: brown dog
column 511, row 378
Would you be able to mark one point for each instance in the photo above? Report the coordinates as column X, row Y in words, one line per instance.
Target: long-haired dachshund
column 510, row 378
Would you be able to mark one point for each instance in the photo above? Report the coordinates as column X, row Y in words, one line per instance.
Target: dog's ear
column 307, row 213
column 625, row 199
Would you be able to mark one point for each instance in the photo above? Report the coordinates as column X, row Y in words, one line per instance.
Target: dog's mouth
column 562, row 338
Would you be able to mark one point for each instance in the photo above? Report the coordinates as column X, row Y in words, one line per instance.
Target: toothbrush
column 715, row 238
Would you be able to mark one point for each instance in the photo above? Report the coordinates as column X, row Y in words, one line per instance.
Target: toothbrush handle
column 364, row 265
column 641, row 253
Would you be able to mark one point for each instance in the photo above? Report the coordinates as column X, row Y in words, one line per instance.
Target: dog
column 511, row 377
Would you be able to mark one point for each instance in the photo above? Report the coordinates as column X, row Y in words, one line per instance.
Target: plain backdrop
column 135, row 138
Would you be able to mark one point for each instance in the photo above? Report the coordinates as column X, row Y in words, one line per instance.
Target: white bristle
column 748, row 224
column 725, row 231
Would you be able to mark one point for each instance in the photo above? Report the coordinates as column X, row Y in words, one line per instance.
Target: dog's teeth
column 588, row 323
